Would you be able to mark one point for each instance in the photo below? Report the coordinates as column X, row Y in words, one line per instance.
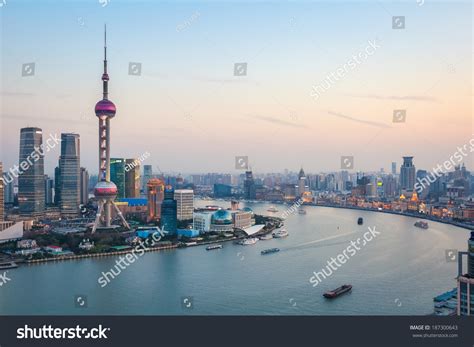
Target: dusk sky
column 189, row 111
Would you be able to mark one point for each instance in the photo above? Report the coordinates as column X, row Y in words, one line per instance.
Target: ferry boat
column 301, row 211
column 331, row 294
column 211, row 247
column 421, row 224
column 360, row 221
column 266, row 237
column 249, row 241
column 280, row 233
column 8, row 265
column 270, row 250
column 272, row 209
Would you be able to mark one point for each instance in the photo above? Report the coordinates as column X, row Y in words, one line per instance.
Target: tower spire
column 105, row 76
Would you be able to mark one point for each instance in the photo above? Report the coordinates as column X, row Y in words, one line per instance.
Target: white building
column 202, row 221
column 10, row 231
column 184, row 203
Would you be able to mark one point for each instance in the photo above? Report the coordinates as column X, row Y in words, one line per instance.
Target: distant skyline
column 189, row 111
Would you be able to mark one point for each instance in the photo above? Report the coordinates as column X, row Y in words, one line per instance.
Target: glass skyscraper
column 117, row 175
column 69, row 175
column 31, row 173
column 169, row 210
column 132, row 178
column 407, row 174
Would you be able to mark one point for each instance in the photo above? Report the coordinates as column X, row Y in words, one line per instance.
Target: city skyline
column 268, row 114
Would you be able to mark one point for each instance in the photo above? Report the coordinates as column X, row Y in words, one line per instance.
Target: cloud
column 376, row 124
column 277, row 121
column 394, row 97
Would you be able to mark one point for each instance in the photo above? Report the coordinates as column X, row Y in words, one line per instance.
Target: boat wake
column 315, row 242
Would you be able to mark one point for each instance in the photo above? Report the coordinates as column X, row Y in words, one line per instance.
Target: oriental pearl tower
column 105, row 191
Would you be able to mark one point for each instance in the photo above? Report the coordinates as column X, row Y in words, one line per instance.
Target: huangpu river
column 397, row 273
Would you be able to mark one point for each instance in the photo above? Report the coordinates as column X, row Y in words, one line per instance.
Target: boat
column 280, row 233
column 270, row 250
column 301, row 211
column 211, row 247
column 331, row 294
column 272, row 209
column 266, row 237
column 421, row 224
column 249, row 241
column 360, row 221
column 8, row 265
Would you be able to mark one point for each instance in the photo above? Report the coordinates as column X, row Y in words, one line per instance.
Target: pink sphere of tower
column 104, row 189
column 105, row 107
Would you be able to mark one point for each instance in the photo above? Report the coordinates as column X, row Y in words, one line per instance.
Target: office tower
column 147, row 175
column 57, row 187
column 9, row 191
column 169, row 221
column 185, row 203
column 407, row 174
column 250, row 192
column 69, row 179
column 48, row 190
column 117, row 175
column 222, row 190
column 394, row 168
column 2, row 184
column 155, row 195
column 465, row 281
column 84, row 194
column 105, row 191
column 132, row 178
column 31, row 173
column 301, row 187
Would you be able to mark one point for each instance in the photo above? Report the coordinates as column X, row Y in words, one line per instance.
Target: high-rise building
column 155, row 195
column 465, row 294
column 2, row 183
column 169, row 220
column 84, row 194
column 250, row 191
column 117, row 175
column 302, row 186
column 407, row 174
column 9, row 190
column 57, row 185
column 31, row 173
column 70, row 170
column 147, row 175
column 105, row 191
column 394, row 168
column 48, row 190
column 132, row 178
column 185, row 203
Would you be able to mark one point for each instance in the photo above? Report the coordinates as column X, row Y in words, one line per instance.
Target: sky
column 190, row 111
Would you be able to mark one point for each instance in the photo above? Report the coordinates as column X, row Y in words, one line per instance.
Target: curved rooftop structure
column 221, row 217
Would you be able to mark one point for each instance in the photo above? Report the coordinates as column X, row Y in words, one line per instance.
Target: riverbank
column 420, row 216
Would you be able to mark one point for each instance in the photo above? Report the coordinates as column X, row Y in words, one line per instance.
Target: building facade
column 407, row 174
column 465, row 281
column 2, row 201
column 185, row 203
column 48, row 190
column 132, row 178
column 117, row 175
column 169, row 220
column 31, row 178
column 84, row 186
column 155, row 197
column 69, row 171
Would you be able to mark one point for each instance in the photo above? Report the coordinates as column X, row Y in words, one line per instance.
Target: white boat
column 301, row 211
column 266, row 237
column 249, row 241
column 272, row 209
column 280, row 233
